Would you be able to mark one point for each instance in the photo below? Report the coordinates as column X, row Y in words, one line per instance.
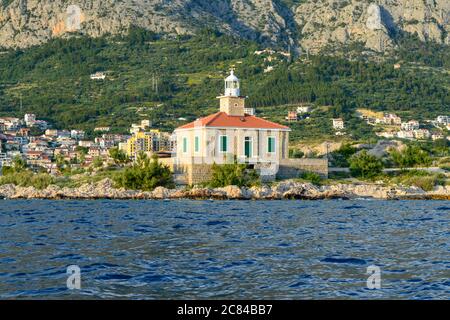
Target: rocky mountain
column 302, row 24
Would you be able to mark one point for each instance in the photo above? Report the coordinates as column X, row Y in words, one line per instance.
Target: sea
column 186, row 249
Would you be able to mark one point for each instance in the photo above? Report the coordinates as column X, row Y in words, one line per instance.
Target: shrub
column 422, row 179
column 42, row 180
column 312, row 177
column 411, row 156
column 296, row 154
column 28, row 179
column 98, row 162
column 365, row 165
column 234, row 174
column 340, row 157
column 146, row 174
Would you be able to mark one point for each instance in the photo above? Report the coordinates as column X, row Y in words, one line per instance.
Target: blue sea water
column 225, row 249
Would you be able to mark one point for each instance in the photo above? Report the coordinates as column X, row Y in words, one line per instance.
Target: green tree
column 441, row 147
column 146, row 174
column 365, row 165
column 411, row 156
column 118, row 156
column 340, row 157
column 233, row 174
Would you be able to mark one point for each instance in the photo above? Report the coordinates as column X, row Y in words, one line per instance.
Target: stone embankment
column 283, row 190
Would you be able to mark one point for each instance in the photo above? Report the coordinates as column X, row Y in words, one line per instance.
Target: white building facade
column 231, row 134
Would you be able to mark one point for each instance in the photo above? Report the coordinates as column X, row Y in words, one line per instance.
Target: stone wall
column 291, row 168
column 199, row 173
column 194, row 174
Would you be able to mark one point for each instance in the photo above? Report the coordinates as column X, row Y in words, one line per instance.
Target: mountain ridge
column 304, row 25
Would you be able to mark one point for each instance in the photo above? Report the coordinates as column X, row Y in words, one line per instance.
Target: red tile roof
column 223, row 120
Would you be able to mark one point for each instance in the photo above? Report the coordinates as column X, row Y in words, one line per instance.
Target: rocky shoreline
column 283, row 190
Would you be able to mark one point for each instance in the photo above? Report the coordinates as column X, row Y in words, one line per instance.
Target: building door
column 248, row 147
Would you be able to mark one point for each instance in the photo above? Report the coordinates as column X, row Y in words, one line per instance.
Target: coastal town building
column 98, row 76
column 10, row 123
column 389, row 119
column 77, row 134
column 111, row 140
column 402, row 134
column 143, row 126
column 102, row 129
column 338, row 124
column 250, row 111
column 44, row 151
column 148, row 142
column 410, row 125
column 437, row 136
column 303, row 109
column 292, row 116
column 30, row 119
column 422, row 134
column 443, row 120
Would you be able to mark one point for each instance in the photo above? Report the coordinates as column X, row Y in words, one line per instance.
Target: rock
column 199, row 193
column 178, row 194
column 289, row 189
column 160, row 193
column 39, row 21
column 263, row 192
column 440, row 193
column 7, row 190
column 311, row 24
column 231, row 192
column 374, row 21
column 322, row 23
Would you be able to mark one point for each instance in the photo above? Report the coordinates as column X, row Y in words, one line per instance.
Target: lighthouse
column 231, row 102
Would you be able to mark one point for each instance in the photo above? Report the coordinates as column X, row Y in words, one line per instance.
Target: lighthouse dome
column 232, row 86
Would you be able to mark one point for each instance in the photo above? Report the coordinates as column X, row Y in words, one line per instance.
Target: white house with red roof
column 231, row 134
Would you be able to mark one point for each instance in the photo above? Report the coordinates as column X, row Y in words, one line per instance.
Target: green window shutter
column 197, row 144
column 271, row 144
column 184, row 145
column 224, row 144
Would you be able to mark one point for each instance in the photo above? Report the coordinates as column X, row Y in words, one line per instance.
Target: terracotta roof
column 221, row 119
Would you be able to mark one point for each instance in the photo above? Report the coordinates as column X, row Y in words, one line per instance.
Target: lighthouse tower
column 232, row 103
column 232, row 85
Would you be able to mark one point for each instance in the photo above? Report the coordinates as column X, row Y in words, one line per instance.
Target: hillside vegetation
column 163, row 80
